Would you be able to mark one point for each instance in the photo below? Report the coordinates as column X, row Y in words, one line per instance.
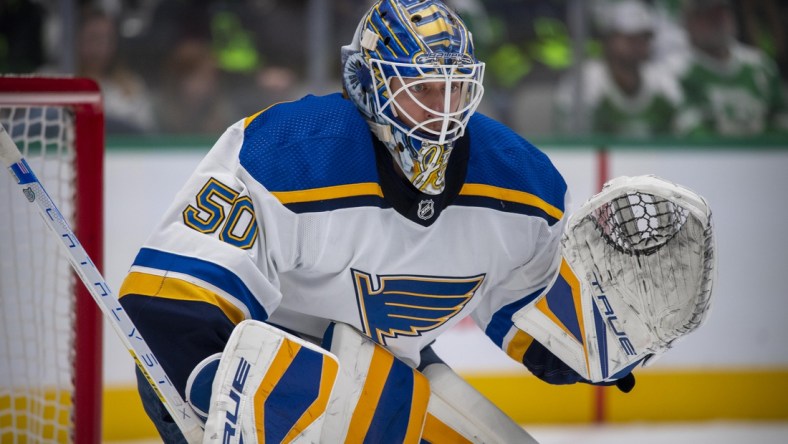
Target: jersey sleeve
column 212, row 262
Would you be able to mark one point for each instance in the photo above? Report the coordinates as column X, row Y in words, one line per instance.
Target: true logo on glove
column 611, row 318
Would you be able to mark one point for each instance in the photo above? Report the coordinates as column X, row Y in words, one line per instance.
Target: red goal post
column 58, row 123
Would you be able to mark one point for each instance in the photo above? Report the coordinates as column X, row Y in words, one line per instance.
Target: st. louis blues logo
column 403, row 305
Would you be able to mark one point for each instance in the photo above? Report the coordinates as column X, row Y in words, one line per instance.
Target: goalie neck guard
column 412, row 73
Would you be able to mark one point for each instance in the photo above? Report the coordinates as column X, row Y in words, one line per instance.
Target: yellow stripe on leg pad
column 373, row 387
column 278, row 367
column 318, row 407
column 436, row 432
column 421, row 399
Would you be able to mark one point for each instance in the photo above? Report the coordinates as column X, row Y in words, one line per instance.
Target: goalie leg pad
column 270, row 386
column 378, row 398
column 459, row 414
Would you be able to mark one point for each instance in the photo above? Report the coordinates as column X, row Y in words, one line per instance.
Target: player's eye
column 418, row 88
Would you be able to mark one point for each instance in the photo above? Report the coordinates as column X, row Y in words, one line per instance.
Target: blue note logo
column 407, row 305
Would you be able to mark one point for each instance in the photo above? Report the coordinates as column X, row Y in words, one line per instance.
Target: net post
column 82, row 96
column 599, row 407
column 89, row 132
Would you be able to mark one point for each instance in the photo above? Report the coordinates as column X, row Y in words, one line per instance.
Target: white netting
column 639, row 223
column 36, row 285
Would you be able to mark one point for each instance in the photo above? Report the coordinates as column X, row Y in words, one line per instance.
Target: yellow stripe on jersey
column 521, row 197
column 251, row 118
column 172, row 288
column 435, row 431
column 327, row 193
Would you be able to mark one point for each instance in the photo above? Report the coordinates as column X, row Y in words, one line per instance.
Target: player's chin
column 435, row 127
column 432, row 129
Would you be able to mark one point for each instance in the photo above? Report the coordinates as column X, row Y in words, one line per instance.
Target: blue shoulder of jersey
column 314, row 142
column 509, row 173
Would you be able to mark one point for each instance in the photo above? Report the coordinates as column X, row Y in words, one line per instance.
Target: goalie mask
column 412, row 73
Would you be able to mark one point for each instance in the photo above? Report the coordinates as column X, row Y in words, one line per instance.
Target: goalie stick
column 36, row 194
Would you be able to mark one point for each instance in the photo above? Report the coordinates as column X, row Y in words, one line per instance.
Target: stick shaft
column 36, row 194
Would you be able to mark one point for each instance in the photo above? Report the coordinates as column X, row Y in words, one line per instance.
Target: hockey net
column 50, row 328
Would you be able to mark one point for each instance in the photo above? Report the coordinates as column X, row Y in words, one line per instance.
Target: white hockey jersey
column 297, row 217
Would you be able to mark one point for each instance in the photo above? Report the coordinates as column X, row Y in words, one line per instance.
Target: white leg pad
column 270, row 387
column 378, row 398
column 458, row 413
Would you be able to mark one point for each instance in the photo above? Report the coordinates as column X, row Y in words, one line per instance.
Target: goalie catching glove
column 636, row 275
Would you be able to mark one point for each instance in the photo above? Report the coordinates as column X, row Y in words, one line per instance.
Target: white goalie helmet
column 412, row 73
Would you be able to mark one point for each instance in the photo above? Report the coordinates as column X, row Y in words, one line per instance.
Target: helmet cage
column 451, row 117
column 397, row 46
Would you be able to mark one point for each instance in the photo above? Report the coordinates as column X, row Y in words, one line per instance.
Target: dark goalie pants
column 169, row 431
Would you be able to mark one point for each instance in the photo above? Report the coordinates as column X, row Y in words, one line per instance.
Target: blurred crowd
column 629, row 68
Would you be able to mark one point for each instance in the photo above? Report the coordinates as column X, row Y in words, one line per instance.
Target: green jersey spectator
column 623, row 94
column 731, row 89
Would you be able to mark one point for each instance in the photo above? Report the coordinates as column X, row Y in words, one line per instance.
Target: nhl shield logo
column 426, row 209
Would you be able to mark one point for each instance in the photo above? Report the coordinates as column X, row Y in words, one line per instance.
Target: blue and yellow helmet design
column 412, row 72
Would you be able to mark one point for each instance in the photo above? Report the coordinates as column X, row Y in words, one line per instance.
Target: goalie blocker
column 636, row 275
column 270, row 386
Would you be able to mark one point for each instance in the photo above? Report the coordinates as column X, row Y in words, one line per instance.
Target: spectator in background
column 21, row 42
column 731, row 89
column 670, row 38
column 623, row 94
column 128, row 106
column 190, row 99
column 762, row 24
